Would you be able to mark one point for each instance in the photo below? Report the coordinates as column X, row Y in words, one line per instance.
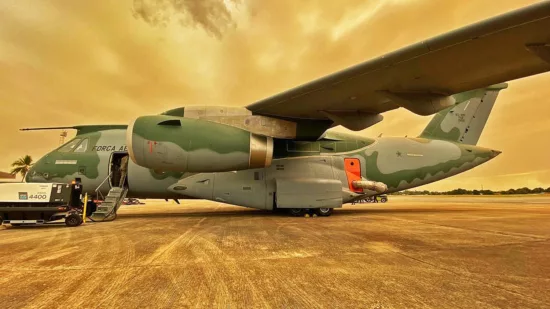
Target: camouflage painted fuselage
column 177, row 157
column 399, row 162
column 92, row 165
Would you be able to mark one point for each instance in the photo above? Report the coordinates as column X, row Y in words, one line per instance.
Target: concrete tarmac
column 412, row 252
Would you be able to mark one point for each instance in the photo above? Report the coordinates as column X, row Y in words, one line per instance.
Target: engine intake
column 169, row 143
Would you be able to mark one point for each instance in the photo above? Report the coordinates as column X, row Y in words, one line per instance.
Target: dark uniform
column 123, row 170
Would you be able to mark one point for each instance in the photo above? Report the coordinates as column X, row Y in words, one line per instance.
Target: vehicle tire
column 324, row 212
column 73, row 220
column 383, row 199
column 296, row 212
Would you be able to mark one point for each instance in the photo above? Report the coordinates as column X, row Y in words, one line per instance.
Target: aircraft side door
column 352, row 167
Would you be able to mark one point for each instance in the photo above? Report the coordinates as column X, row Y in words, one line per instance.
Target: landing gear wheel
column 296, row 212
column 324, row 212
column 73, row 220
column 383, row 199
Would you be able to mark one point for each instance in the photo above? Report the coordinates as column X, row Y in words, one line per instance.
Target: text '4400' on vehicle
column 279, row 153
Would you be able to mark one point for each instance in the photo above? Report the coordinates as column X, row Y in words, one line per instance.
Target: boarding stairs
column 110, row 205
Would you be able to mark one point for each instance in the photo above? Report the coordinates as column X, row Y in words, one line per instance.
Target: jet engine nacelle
column 168, row 143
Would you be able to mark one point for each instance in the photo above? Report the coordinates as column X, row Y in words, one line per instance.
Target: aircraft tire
column 324, row 212
column 73, row 220
column 383, row 199
column 296, row 212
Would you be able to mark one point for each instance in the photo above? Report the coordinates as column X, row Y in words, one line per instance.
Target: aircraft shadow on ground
column 235, row 213
column 266, row 213
column 255, row 213
column 38, row 226
column 398, row 211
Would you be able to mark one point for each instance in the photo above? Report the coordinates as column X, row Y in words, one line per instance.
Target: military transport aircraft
column 279, row 154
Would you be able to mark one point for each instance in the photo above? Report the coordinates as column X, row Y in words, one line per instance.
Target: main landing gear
column 300, row 212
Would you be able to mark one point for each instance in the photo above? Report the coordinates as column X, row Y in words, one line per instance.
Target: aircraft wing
column 422, row 77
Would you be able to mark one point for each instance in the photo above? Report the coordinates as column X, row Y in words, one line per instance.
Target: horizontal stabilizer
column 81, row 129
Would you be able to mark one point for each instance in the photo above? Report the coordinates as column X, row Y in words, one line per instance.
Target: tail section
column 464, row 121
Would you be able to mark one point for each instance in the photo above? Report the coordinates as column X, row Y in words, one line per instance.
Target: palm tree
column 22, row 166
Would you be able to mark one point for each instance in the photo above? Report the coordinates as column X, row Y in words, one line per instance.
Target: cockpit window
column 70, row 145
column 82, row 146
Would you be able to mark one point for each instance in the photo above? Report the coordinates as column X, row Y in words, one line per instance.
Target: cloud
column 214, row 16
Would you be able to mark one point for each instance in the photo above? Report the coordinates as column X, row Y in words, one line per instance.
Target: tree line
column 523, row 190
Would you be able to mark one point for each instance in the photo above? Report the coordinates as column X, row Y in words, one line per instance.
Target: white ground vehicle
column 37, row 203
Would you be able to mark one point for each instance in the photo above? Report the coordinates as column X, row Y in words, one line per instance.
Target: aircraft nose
column 34, row 172
column 495, row 153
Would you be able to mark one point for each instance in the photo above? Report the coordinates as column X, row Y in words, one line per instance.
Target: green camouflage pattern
column 170, row 143
column 93, row 166
column 401, row 163
column 464, row 121
column 217, row 171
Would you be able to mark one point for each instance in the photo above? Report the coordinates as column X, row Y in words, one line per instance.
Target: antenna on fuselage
column 62, row 137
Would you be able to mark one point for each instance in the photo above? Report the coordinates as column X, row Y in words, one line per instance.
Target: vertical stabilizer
column 464, row 121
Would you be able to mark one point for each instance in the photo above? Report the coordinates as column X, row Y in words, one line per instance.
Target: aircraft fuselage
column 326, row 165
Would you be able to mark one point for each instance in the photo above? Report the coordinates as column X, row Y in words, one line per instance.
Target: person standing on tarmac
column 123, row 170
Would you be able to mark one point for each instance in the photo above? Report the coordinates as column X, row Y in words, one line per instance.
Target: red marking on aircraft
column 353, row 172
column 151, row 143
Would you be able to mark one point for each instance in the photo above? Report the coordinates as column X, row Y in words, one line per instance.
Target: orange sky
column 82, row 62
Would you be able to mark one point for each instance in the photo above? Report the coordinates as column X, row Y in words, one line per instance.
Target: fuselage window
column 70, row 145
column 82, row 146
